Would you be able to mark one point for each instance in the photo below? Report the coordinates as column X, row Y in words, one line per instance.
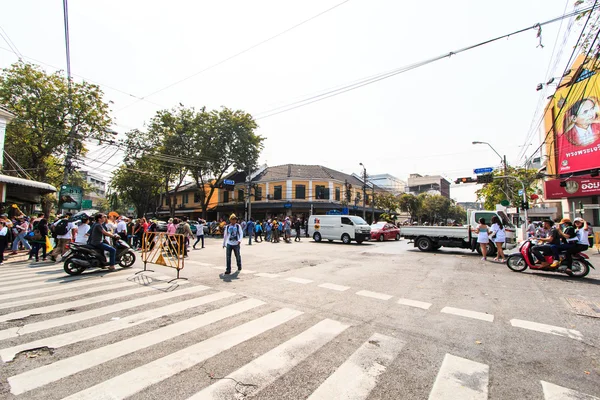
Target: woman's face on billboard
column 585, row 115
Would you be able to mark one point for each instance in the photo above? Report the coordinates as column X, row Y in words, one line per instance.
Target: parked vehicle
column 384, row 231
column 429, row 238
column 524, row 259
column 346, row 228
column 161, row 226
column 83, row 256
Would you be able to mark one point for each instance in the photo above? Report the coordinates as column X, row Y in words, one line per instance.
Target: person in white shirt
column 82, row 231
column 200, row 233
column 232, row 238
column 499, row 237
column 62, row 239
column 3, row 240
column 121, row 228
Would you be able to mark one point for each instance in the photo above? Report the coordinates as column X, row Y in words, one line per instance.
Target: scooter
column 83, row 256
column 524, row 258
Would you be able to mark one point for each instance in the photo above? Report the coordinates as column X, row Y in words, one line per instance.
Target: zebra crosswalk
column 208, row 324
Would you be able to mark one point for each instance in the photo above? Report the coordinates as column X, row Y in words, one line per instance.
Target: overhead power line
column 10, row 43
column 389, row 74
column 236, row 54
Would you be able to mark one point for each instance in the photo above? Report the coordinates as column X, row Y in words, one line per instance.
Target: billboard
column 575, row 120
column 575, row 187
column 70, row 197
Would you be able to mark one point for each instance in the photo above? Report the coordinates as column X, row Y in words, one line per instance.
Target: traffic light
column 467, row 179
column 525, row 205
column 486, row 178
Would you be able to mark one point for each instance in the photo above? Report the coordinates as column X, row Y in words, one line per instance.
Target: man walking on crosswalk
column 232, row 238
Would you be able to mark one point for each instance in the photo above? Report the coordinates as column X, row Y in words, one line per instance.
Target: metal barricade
column 163, row 249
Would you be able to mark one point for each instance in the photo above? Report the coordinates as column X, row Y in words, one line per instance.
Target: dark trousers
column 111, row 251
column 3, row 243
column 35, row 249
column 238, row 257
column 258, row 235
column 557, row 248
column 577, row 248
column 199, row 238
column 250, row 238
column 540, row 251
column 297, row 238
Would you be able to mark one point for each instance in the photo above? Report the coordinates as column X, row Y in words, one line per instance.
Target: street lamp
column 503, row 160
column 364, row 191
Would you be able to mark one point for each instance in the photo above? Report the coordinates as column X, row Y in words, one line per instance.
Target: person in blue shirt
column 250, row 230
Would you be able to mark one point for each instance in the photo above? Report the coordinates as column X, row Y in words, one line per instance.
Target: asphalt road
column 302, row 320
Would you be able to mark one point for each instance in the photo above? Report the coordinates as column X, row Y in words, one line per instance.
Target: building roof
column 299, row 171
column 5, row 113
column 13, row 180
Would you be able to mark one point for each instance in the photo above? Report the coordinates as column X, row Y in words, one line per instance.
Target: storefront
column 580, row 196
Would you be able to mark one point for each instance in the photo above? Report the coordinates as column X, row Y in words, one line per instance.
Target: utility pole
column 69, row 155
column 505, row 174
column 249, row 193
column 373, row 205
column 364, row 191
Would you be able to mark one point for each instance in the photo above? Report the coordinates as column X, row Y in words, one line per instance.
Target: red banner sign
column 576, row 187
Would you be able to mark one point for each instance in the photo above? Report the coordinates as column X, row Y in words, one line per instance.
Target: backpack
column 62, row 227
column 180, row 229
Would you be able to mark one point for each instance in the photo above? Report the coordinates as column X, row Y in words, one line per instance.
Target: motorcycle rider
column 580, row 245
column 567, row 232
column 97, row 234
column 552, row 238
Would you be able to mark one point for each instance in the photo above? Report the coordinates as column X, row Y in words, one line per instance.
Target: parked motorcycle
column 523, row 259
column 83, row 256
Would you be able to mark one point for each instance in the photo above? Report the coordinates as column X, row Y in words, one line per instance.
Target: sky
column 421, row 121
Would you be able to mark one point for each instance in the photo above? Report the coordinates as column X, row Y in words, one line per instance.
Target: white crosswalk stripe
column 30, row 271
column 356, row 378
column 154, row 372
column 51, row 282
column 460, row 378
column 268, row 367
column 82, row 316
column 354, row 373
column 64, row 286
column 33, row 278
column 555, row 392
column 63, row 368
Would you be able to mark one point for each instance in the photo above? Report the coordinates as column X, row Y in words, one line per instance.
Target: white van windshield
column 357, row 220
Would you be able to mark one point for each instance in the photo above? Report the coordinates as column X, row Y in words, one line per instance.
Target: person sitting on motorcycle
column 552, row 238
column 567, row 233
column 97, row 234
column 581, row 244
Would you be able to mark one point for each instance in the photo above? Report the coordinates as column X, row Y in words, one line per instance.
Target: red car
column 383, row 231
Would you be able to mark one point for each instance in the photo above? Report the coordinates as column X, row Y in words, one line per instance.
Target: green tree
column 592, row 27
column 138, row 182
column 223, row 139
column 436, row 208
column 38, row 136
column 493, row 193
column 387, row 202
column 411, row 204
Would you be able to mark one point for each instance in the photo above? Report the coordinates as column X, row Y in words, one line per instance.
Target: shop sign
column 575, row 187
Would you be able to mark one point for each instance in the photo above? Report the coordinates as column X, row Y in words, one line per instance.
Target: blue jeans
column 238, row 257
column 249, row 237
column 111, row 251
column 20, row 238
column 268, row 236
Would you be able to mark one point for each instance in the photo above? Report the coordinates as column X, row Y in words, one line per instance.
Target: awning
column 24, row 190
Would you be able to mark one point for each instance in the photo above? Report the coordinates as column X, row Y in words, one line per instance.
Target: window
column 277, row 192
column 346, row 221
column 337, row 194
column 167, row 201
column 240, row 195
column 185, row 198
column 258, row 194
column 196, row 197
column 300, row 192
column 322, row 193
column 225, row 196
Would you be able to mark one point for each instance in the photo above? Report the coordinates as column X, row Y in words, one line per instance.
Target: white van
column 338, row 227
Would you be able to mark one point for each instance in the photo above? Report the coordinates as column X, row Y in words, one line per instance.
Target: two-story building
column 296, row 190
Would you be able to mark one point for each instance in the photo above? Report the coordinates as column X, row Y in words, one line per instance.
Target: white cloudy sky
column 421, row 121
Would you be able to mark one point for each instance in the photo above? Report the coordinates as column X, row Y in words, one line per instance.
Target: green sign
column 70, row 197
column 505, row 203
column 86, row 204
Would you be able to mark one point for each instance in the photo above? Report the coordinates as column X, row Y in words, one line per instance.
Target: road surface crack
column 239, row 386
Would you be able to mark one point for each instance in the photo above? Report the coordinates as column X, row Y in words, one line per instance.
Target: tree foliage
column 431, row 208
column 588, row 42
column 493, row 193
column 185, row 142
column 38, row 136
column 139, row 183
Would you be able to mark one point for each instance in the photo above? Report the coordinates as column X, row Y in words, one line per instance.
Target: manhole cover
column 585, row 307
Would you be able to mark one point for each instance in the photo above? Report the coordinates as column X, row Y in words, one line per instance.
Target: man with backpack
column 250, row 230
column 232, row 238
column 65, row 232
column 183, row 228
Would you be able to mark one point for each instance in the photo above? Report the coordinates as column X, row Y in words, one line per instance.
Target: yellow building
column 296, row 190
column 187, row 202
